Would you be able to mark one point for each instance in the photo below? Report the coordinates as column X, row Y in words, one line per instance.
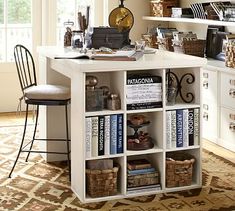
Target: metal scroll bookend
column 172, row 78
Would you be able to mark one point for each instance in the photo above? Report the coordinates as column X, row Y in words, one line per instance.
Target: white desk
column 72, row 73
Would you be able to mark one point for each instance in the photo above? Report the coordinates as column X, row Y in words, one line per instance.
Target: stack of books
column 141, row 175
column 104, row 135
column 182, row 127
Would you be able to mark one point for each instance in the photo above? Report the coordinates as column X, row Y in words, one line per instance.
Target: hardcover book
column 179, row 128
column 88, row 137
column 191, row 127
column 173, row 128
column 138, row 164
column 94, row 135
column 113, row 134
column 185, row 128
column 119, row 133
column 101, row 128
column 168, row 130
column 196, row 126
column 107, row 135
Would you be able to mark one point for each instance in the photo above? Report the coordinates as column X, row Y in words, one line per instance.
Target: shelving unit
column 189, row 20
column 114, row 75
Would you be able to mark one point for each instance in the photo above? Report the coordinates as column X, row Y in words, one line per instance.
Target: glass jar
column 77, row 39
column 114, row 102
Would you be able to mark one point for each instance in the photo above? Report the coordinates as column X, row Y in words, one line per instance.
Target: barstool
column 38, row 95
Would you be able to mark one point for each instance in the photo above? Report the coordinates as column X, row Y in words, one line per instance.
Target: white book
column 88, row 137
column 196, row 125
column 94, row 135
column 185, row 128
column 173, row 129
column 168, row 129
column 107, row 135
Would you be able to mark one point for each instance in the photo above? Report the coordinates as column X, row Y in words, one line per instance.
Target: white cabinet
column 227, row 90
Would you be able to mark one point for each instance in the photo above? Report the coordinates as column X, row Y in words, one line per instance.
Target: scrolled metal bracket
column 189, row 78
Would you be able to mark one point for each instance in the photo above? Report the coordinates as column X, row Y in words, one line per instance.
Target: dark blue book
column 191, row 127
column 119, row 133
column 179, row 128
column 141, row 171
column 113, row 134
column 101, row 136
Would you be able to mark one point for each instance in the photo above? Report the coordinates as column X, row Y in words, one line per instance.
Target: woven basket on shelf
column 179, row 169
column 230, row 55
column 165, row 44
column 102, row 182
column 162, row 8
column 190, row 47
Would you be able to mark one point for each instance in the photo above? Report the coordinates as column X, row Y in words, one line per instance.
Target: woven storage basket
column 230, row 55
column 179, row 169
column 190, row 47
column 102, row 182
column 165, row 44
column 162, row 8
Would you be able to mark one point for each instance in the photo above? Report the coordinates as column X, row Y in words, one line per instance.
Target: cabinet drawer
column 209, row 121
column 209, row 85
column 228, row 90
column 227, row 125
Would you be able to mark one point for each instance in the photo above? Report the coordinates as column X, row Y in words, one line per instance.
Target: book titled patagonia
column 143, row 92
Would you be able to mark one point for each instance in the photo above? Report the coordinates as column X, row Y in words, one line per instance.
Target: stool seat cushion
column 47, row 92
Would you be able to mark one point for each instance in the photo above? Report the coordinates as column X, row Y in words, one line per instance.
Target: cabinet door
column 227, row 90
column 209, row 85
column 227, row 125
column 209, row 121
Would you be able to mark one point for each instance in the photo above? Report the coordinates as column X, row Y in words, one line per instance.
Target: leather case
column 108, row 37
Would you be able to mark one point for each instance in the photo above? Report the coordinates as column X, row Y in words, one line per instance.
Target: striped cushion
column 47, row 92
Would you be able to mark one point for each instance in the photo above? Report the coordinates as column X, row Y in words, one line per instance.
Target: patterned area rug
column 39, row 186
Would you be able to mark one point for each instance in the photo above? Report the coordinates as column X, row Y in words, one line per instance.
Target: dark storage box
column 109, row 37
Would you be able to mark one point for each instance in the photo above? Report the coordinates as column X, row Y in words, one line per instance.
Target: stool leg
column 34, row 133
column 67, row 140
column 22, row 141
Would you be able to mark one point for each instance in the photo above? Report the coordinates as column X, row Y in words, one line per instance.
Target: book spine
column 113, row 134
column 179, row 128
column 196, row 125
column 101, row 136
column 94, row 136
column 141, row 171
column 107, row 135
column 173, row 129
column 168, row 129
column 185, row 128
column 120, row 133
column 191, row 127
column 88, row 137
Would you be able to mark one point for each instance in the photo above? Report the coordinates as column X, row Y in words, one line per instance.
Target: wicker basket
column 230, row 55
column 165, row 44
column 162, row 8
column 190, row 47
column 179, row 169
column 102, row 182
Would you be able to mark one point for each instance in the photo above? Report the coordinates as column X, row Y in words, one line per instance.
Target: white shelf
column 189, row 20
column 182, row 106
column 144, row 110
column 182, row 148
column 140, row 152
column 103, row 112
column 106, row 156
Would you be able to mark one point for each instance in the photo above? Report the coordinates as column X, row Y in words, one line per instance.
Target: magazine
column 112, row 56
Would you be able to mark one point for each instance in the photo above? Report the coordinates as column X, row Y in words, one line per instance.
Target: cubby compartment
column 184, row 85
column 182, row 128
column 144, row 89
column 144, row 173
column 104, row 91
column 104, row 178
column 144, row 132
column 183, row 168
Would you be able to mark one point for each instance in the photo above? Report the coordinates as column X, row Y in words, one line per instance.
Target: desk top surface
column 159, row 60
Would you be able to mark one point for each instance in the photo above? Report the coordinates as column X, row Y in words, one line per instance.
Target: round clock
column 121, row 18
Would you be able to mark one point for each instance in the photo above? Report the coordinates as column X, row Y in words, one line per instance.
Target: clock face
column 121, row 18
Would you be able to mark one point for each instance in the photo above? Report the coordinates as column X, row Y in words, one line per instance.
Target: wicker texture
column 102, row 182
column 179, row 170
column 162, row 8
column 230, row 55
column 190, row 47
column 142, row 180
column 165, row 44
